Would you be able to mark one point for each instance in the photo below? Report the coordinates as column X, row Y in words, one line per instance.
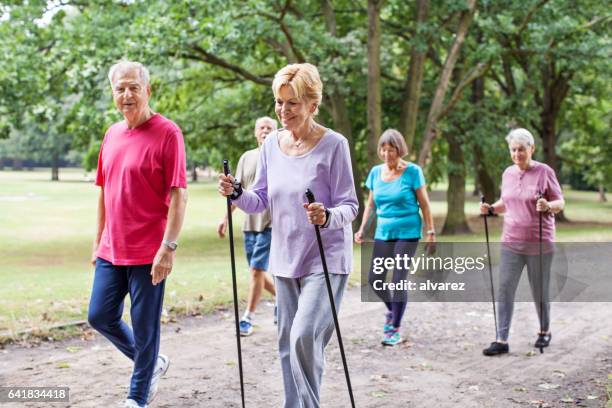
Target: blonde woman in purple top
column 303, row 154
column 521, row 204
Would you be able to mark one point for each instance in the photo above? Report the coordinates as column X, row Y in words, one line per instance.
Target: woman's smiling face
column 291, row 111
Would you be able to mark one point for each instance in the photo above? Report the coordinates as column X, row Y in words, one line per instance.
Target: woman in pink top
column 528, row 189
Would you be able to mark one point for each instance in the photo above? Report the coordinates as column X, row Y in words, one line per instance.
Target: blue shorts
column 257, row 248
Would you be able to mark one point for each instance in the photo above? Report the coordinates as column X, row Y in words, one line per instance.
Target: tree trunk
column 194, row 173
column 414, row 82
column 343, row 125
column 55, row 167
column 548, row 132
column 555, row 87
column 486, row 185
column 602, row 193
column 476, row 192
column 340, row 115
column 484, row 182
column 429, row 132
column 374, row 93
column 456, row 222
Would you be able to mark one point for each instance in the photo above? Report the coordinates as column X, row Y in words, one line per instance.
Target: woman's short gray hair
column 125, row 65
column 395, row 139
column 521, row 136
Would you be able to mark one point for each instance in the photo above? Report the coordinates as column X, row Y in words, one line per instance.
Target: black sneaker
column 543, row 340
column 496, row 348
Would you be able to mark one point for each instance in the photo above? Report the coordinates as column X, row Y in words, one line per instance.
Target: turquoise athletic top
column 397, row 207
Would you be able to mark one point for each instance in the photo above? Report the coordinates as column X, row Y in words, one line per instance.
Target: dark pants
column 396, row 302
column 111, row 284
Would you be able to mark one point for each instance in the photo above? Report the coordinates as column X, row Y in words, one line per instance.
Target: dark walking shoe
column 496, row 348
column 543, row 340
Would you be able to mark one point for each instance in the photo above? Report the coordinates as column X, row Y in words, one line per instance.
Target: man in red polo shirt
column 141, row 172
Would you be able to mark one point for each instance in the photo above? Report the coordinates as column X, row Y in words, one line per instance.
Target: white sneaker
column 163, row 362
column 130, row 403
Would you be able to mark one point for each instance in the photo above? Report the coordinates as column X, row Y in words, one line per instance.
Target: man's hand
column 162, row 264
column 93, row 253
column 222, row 227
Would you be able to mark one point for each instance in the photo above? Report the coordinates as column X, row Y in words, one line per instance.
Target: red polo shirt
column 137, row 168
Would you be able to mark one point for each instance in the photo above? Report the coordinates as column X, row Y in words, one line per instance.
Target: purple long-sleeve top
column 280, row 185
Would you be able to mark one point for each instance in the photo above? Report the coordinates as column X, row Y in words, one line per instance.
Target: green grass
column 46, row 230
column 45, row 245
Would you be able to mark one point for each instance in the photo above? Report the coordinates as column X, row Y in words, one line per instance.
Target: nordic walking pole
column 540, row 195
column 234, row 285
column 311, row 199
column 484, row 217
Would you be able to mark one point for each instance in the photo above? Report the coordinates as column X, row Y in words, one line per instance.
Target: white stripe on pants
column 305, row 326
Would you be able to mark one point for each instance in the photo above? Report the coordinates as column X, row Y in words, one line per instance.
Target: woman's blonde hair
column 395, row 139
column 304, row 79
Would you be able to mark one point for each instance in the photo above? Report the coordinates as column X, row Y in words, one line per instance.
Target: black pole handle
column 226, row 170
column 490, row 211
column 310, row 196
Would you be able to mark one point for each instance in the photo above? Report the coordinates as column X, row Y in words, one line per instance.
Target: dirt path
column 439, row 365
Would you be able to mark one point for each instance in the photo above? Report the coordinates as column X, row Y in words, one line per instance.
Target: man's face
column 130, row 94
column 263, row 128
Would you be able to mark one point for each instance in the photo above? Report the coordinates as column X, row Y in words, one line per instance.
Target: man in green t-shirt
column 257, row 229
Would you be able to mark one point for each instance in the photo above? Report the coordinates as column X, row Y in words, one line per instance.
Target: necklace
column 298, row 143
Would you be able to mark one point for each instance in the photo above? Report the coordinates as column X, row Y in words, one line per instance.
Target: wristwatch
column 172, row 245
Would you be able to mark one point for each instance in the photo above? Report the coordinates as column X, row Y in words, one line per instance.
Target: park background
column 453, row 76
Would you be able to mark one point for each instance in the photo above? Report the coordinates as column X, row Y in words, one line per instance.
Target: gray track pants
column 305, row 326
column 511, row 267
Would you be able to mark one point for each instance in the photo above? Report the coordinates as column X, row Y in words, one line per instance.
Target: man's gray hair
column 267, row 118
column 521, row 136
column 124, row 65
column 395, row 139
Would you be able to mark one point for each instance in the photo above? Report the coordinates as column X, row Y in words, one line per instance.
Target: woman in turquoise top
column 397, row 191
